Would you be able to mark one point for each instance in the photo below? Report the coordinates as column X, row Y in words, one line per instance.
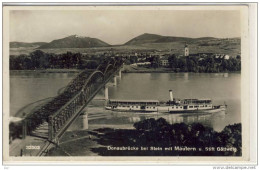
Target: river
column 29, row 87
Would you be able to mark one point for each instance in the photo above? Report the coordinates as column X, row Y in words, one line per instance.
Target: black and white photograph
column 125, row 81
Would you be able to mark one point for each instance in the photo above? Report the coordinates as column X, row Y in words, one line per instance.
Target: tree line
column 41, row 60
column 159, row 133
column 208, row 64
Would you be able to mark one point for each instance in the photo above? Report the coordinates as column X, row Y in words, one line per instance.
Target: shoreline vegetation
column 74, row 62
column 48, row 71
column 133, row 69
column 152, row 137
column 124, row 71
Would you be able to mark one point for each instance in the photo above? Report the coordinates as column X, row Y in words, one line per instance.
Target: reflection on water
column 156, row 86
column 226, row 75
column 186, row 76
column 28, row 87
column 95, row 116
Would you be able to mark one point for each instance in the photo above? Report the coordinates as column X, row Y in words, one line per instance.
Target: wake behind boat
column 172, row 106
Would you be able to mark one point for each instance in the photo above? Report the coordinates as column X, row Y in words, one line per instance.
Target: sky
column 119, row 26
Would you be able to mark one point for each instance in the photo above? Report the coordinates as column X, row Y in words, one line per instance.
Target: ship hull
column 215, row 109
column 199, row 111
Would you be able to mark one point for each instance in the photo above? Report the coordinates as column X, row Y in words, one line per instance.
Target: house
column 226, row 57
column 164, row 61
column 143, row 63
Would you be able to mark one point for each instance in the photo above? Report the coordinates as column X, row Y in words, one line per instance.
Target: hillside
column 24, row 44
column 144, row 38
column 154, row 38
column 75, row 41
column 142, row 43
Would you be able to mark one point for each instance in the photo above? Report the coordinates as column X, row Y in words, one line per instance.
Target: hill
column 144, row 38
column 143, row 43
column 75, row 41
column 24, row 44
column 154, row 38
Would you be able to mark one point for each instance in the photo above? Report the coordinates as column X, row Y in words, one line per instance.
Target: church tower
column 186, row 50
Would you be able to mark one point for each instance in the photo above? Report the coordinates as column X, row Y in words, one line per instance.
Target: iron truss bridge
column 61, row 112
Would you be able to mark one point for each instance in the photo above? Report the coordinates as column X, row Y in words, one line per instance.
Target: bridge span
column 58, row 114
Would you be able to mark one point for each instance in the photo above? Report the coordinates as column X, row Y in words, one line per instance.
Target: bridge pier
column 119, row 74
column 24, row 128
column 85, row 121
column 106, row 92
column 114, row 80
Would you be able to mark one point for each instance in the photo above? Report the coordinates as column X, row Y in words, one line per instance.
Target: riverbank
column 126, row 69
column 136, row 69
column 48, row 71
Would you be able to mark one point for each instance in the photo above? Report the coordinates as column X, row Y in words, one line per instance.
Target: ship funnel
column 171, row 96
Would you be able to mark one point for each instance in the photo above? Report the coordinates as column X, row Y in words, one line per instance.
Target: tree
column 27, row 64
column 224, row 65
column 133, row 59
column 173, row 61
column 39, row 59
column 182, row 64
column 210, row 64
column 92, row 65
column 191, row 64
column 155, row 63
column 147, row 124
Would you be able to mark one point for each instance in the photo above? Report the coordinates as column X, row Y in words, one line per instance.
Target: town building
column 186, row 50
column 225, row 56
column 164, row 61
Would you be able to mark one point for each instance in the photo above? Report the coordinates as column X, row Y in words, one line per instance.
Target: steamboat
column 172, row 106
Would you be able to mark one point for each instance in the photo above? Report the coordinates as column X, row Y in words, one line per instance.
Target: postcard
column 129, row 83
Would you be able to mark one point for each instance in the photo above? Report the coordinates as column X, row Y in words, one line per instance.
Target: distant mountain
column 205, row 38
column 144, row 38
column 75, row 41
column 24, row 44
column 154, row 38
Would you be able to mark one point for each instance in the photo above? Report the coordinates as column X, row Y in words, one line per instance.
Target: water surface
column 29, row 87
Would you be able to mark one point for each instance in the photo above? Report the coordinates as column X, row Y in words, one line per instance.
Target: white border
column 252, row 99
